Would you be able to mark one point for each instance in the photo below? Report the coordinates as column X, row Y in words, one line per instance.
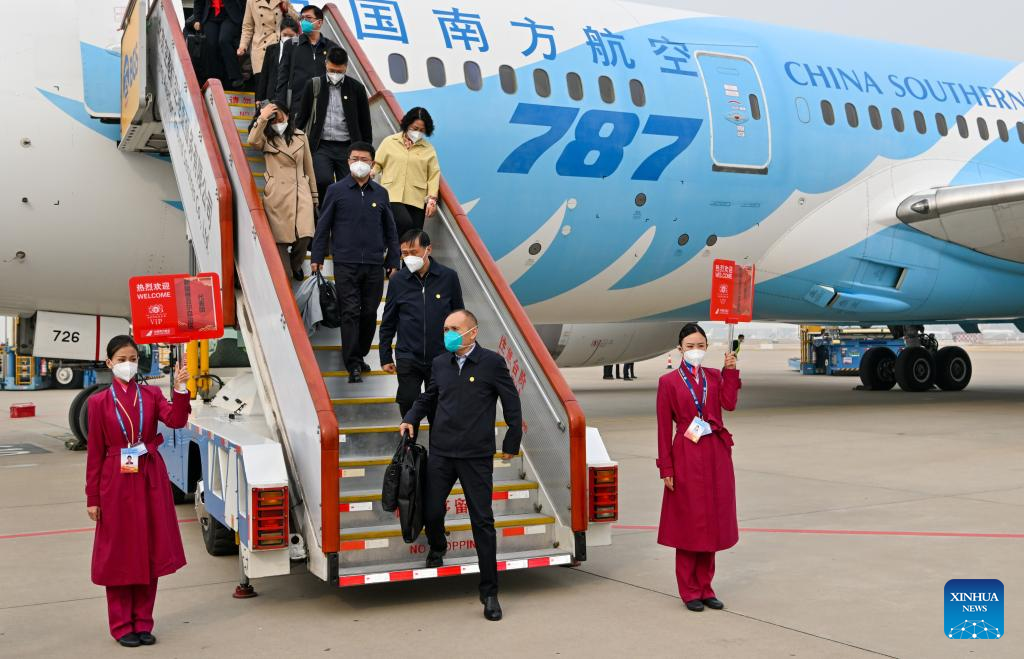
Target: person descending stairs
column 372, row 549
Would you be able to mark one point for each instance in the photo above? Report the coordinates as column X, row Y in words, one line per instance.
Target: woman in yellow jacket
column 406, row 165
column 261, row 28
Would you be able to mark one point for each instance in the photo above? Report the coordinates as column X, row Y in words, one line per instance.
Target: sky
column 981, row 27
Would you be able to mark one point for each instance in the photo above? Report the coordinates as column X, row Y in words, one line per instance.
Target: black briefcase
column 328, row 302
column 392, row 476
column 412, row 477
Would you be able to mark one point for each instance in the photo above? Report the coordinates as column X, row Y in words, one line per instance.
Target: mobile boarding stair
column 295, row 444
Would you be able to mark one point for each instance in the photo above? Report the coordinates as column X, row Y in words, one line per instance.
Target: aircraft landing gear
column 919, row 367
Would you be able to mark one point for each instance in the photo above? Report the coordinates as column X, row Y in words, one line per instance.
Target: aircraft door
column 741, row 135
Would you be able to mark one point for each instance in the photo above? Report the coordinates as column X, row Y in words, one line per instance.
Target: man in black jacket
column 303, row 58
column 465, row 387
column 266, row 83
column 221, row 22
column 357, row 224
column 337, row 113
column 420, row 297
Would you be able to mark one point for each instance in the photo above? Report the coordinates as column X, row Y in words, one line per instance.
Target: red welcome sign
column 176, row 308
column 732, row 292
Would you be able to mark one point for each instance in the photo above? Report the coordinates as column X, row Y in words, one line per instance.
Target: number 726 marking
column 601, row 133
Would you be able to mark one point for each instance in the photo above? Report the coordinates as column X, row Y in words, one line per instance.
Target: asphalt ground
column 855, row 508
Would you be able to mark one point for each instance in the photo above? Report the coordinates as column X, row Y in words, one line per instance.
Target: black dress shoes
column 492, row 610
column 435, row 559
column 298, row 275
column 695, row 605
column 365, row 367
column 130, row 640
column 146, row 638
column 714, row 603
column 354, row 375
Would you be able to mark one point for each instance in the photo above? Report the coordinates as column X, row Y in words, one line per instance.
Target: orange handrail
column 577, row 421
column 227, row 225
column 329, row 484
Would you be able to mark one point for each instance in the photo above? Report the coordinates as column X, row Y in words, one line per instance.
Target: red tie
column 217, row 5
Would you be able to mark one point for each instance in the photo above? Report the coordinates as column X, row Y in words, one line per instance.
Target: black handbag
column 328, row 302
column 413, row 472
column 392, row 476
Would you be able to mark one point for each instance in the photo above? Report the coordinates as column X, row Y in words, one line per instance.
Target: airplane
column 606, row 152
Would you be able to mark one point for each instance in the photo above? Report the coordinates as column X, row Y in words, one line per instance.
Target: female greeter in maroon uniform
column 698, row 511
column 128, row 493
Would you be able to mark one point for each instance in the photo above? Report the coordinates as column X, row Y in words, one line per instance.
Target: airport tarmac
column 855, row 509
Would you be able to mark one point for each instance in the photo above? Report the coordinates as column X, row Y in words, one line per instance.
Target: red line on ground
column 920, row 534
column 37, row 534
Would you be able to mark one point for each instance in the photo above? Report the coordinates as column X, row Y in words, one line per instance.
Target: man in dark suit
column 266, row 83
column 303, row 58
column 464, row 389
column 221, row 22
column 340, row 114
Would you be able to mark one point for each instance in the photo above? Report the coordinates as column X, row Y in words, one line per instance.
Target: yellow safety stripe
column 453, row 526
column 498, row 487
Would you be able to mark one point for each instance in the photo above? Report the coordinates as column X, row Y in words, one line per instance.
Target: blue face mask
column 307, row 26
column 453, row 340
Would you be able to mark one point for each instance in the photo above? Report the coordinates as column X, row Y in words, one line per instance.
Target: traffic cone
column 669, row 367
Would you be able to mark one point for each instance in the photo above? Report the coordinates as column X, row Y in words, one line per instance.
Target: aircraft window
column 636, row 90
column 755, row 107
column 920, row 123
column 507, row 76
column 435, row 72
column 398, row 68
column 983, row 129
column 897, row 120
column 803, row 110
column 851, row 115
column 828, row 113
column 961, row 125
column 683, row 239
column 474, row 79
column 1004, row 132
column 1020, row 131
column 942, row 124
column 607, row 89
column 575, row 84
column 876, row 117
column 541, row 83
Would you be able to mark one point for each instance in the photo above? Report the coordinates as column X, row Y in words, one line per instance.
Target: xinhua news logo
column 974, row 609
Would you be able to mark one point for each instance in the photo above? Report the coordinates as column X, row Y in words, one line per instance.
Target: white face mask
column 125, row 371
column 360, row 169
column 335, row 78
column 415, row 136
column 414, row 263
column 694, row 357
column 280, row 128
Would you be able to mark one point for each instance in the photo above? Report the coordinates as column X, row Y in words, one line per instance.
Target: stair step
column 363, row 508
column 354, row 463
column 362, row 401
column 507, row 525
column 394, row 429
column 412, row 570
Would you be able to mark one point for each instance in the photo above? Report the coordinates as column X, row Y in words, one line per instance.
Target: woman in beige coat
column 260, row 28
column 406, row 165
column 290, row 193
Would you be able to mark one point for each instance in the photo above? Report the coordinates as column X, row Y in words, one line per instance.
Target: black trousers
column 407, row 217
column 477, row 478
column 413, row 375
column 360, row 287
column 330, row 163
column 222, row 37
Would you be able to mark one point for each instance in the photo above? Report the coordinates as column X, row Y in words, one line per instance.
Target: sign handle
column 732, row 332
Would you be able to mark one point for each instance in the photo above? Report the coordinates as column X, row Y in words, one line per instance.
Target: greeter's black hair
column 691, row 328
column 118, row 342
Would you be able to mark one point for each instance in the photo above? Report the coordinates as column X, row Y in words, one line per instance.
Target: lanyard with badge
column 136, row 449
column 698, row 427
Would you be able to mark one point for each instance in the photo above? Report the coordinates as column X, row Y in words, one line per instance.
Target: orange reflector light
column 604, row 494
column 269, row 518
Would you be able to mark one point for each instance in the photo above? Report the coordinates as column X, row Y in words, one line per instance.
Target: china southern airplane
column 606, row 152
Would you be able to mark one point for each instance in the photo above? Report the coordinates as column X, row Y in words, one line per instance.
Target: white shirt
column 462, row 358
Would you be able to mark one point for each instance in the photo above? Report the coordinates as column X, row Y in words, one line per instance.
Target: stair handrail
column 328, row 422
column 577, row 425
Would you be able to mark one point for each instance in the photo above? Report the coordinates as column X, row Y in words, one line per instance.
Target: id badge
column 130, row 458
column 697, row 429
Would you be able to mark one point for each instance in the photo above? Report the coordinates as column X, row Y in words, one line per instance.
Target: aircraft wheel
column 65, row 377
column 76, row 419
column 952, row 369
column 878, row 369
column 915, row 369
